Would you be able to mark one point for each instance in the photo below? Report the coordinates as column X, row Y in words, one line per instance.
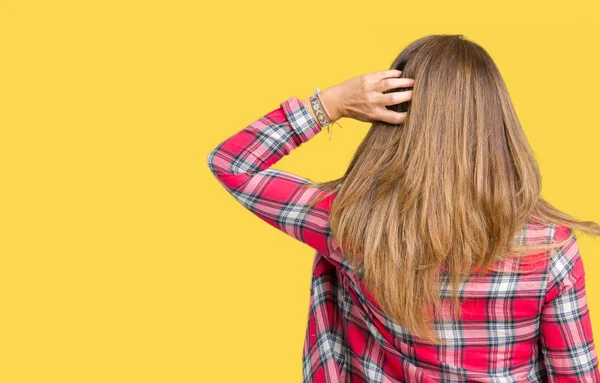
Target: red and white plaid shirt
column 532, row 327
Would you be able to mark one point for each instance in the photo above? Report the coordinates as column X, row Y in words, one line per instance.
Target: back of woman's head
column 448, row 189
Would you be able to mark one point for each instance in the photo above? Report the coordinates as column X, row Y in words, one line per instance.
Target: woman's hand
column 362, row 97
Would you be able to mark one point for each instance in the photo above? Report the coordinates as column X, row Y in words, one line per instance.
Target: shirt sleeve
column 567, row 342
column 242, row 164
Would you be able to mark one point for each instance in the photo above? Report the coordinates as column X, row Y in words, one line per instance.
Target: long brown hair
column 451, row 186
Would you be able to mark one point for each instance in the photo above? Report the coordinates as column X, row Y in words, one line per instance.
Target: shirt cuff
column 300, row 119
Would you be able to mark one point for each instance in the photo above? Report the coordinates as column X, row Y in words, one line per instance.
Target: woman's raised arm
column 242, row 164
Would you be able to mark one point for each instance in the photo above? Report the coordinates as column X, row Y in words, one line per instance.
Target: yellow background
column 123, row 260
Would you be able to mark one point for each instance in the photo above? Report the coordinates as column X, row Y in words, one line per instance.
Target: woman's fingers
column 390, row 116
column 393, row 83
column 365, row 96
column 394, row 98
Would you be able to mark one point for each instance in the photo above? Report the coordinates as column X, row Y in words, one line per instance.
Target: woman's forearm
column 262, row 143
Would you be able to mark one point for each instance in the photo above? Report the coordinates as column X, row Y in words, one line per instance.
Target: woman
column 437, row 260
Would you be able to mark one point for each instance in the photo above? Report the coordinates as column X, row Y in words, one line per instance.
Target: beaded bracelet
column 318, row 94
column 316, row 105
column 321, row 112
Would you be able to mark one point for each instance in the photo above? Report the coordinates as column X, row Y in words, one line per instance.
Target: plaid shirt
column 532, row 327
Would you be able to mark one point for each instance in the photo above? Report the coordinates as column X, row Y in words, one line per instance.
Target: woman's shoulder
column 533, row 233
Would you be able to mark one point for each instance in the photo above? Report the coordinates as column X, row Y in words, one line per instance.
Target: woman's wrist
column 331, row 99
